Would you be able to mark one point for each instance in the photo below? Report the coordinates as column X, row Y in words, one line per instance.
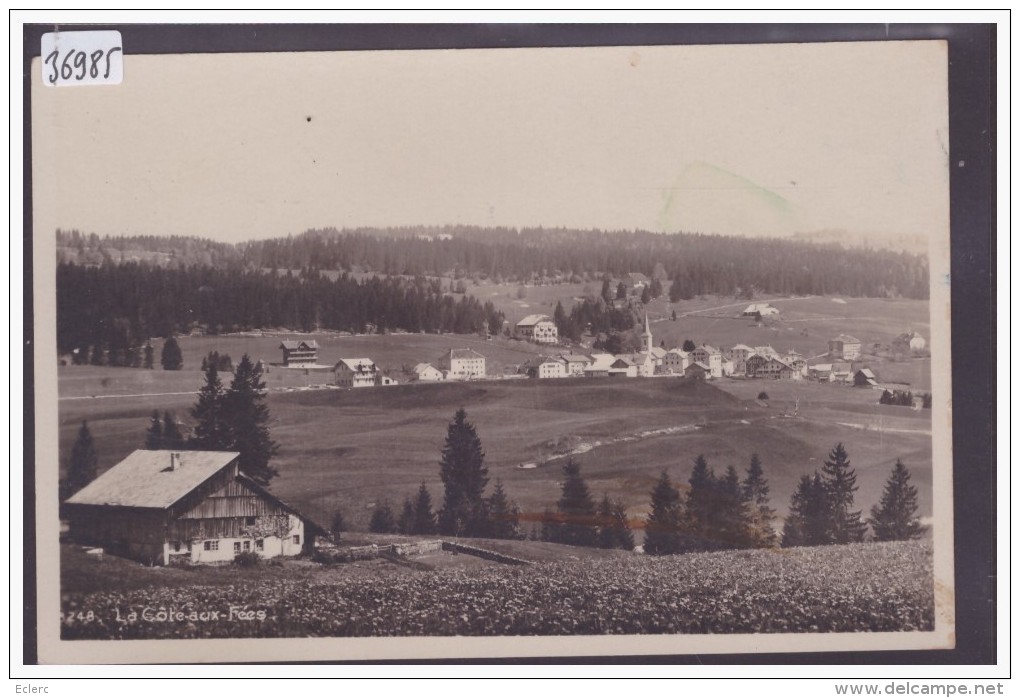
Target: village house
column 356, row 373
column 752, row 364
column 426, row 373
column 767, row 351
column 300, row 353
column 599, row 365
column 675, row 361
column 738, row 354
column 575, row 363
column 908, row 342
column 462, row 364
column 545, row 367
column 845, row 347
column 774, row 369
column 538, row 328
column 762, row 309
column 709, row 356
column 622, row 367
column 158, row 507
column 795, row 361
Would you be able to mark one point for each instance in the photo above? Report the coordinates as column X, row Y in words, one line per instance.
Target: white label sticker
column 82, row 58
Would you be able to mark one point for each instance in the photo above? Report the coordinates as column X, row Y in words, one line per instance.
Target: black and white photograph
column 493, row 352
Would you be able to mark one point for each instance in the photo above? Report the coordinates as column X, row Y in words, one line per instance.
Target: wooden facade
column 225, row 514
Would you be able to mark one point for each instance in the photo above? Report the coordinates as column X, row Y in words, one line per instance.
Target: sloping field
column 854, row 588
column 352, row 450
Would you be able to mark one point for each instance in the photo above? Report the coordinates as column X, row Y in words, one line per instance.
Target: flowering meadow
column 862, row 587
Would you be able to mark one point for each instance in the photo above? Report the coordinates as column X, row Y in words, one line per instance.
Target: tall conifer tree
column 464, row 475
column 84, row 461
column 663, row 535
column 845, row 524
column 895, row 517
column 247, row 415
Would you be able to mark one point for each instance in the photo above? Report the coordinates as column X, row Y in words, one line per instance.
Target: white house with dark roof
column 538, row 328
column 356, row 373
column 461, row 364
column 300, row 353
column 194, row 506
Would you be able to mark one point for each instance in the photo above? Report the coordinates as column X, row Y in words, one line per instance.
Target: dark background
column 972, row 189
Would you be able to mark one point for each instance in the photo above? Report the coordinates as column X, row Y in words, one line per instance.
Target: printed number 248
column 77, row 64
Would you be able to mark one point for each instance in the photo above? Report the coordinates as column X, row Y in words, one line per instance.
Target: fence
column 371, row 552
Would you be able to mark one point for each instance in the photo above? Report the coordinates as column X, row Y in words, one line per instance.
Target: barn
column 160, row 507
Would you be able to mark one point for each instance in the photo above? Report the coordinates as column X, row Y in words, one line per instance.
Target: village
column 842, row 364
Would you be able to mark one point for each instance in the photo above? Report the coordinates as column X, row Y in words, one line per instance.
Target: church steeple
column 647, row 340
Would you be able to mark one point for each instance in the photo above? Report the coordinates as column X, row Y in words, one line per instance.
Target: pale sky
column 760, row 139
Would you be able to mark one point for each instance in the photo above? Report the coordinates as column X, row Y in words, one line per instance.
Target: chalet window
column 297, row 540
column 237, row 546
column 249, row 521
column 211, row 545
column 260, row 544
column 247, row 545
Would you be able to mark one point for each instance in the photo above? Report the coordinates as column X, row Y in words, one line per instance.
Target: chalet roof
column 741, row 347
column 145, row 480
column 658, row 352
column 462, row 354
column 533, row 320
column 356, row 365
column 778, row 361
column 847, row 339
column 536, row 361
column 601, row 362
column 840, row 367
column 765, row 350
column 867, row 373
column 698, row 364
column 757, row 308
column 574, row 358
column 824, row 368
column 292, row 344
column 709, row 348
column 422, row 367
column 621, row 362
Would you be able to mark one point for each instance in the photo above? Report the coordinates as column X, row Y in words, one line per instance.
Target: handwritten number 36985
column 77, row 64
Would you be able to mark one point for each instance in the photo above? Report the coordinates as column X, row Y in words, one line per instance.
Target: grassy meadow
column 352, row 450
column 849, row 588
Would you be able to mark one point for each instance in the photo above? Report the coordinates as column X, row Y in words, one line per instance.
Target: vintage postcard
column 491, row 352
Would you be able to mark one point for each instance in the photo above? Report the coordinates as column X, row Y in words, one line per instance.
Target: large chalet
column 300, row 353
column 158, row 507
